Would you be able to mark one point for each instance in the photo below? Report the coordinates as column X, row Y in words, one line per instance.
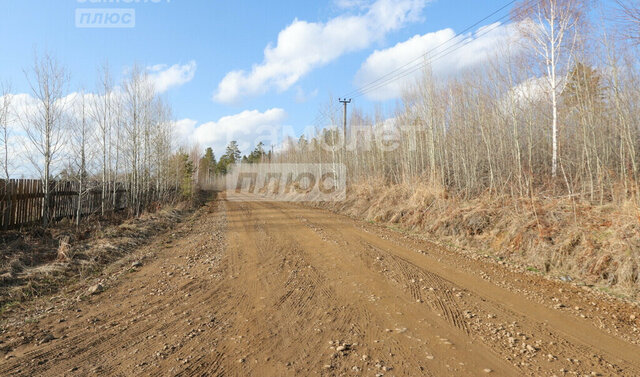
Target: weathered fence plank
column 22, row 200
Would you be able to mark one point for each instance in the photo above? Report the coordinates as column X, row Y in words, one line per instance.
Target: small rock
column 46, row 339
column 487, row 370
column 136, row 264
column 95, row 289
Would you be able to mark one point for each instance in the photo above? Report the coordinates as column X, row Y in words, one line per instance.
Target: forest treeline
column 118, row 135
column 554, row 113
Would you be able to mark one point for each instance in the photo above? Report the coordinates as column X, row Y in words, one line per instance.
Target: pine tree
column 207, row 166
column 230, row 157
column 584, row 86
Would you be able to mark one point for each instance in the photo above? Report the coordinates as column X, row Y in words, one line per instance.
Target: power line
column 345, row 102
column 402, row 70
column 423, row 64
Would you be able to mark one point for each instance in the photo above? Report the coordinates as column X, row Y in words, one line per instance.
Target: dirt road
column 274, row 289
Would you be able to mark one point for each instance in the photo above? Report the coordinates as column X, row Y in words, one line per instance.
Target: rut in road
column 276, row 289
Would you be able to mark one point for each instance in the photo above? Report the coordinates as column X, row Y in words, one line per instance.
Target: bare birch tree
column 5, row 120
column 81, row 137
column 551, row 29
column 101, row 112
column 42, row 122
column 5, row 105
column 629, row 16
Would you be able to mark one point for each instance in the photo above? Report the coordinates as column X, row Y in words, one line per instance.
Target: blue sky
column 198, row 45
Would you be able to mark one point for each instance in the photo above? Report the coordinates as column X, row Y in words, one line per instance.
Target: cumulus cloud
column 26, row 157
column 248, row 128
column 469, row 50
column 164, row 77
column 347, row 4
column 533, row 89
column 303, row 46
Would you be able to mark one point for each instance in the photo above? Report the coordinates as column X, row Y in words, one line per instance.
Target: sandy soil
column 277, row 289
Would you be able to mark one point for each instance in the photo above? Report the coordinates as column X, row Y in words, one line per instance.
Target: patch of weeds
column 611, row 292
column 450, row 244
column 604, row 289
column 602, row 235
column 7, row 306
column 395, row 228
column 533, row 269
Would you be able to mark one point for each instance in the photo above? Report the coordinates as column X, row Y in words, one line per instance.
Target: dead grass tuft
column 597, row 244
column 38, row 262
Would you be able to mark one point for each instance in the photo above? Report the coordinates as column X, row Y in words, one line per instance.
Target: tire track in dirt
column 139, row 318
column 390, row 326
column 568, row 355
column 275, row 289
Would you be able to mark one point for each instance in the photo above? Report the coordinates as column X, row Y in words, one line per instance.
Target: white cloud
column 469, row 50
column 183, row 130
column 247, row 128
column 26, row 159
column 347, row 4
column 303, row 46
column 164, row 77
column 531, row 90
column 22, row 152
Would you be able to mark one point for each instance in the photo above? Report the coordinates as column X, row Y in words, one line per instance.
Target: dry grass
column 38, row 262
column 595, row 244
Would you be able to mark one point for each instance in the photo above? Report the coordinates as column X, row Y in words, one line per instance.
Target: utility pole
column 344, row 101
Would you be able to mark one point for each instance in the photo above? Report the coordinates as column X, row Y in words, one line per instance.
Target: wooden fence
column 22, row 200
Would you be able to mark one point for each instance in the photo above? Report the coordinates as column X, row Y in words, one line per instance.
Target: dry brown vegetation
column 39, row 261
column 527, row 158
column 566, row 239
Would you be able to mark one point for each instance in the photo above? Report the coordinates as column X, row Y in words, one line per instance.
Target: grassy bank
column 597, row 245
